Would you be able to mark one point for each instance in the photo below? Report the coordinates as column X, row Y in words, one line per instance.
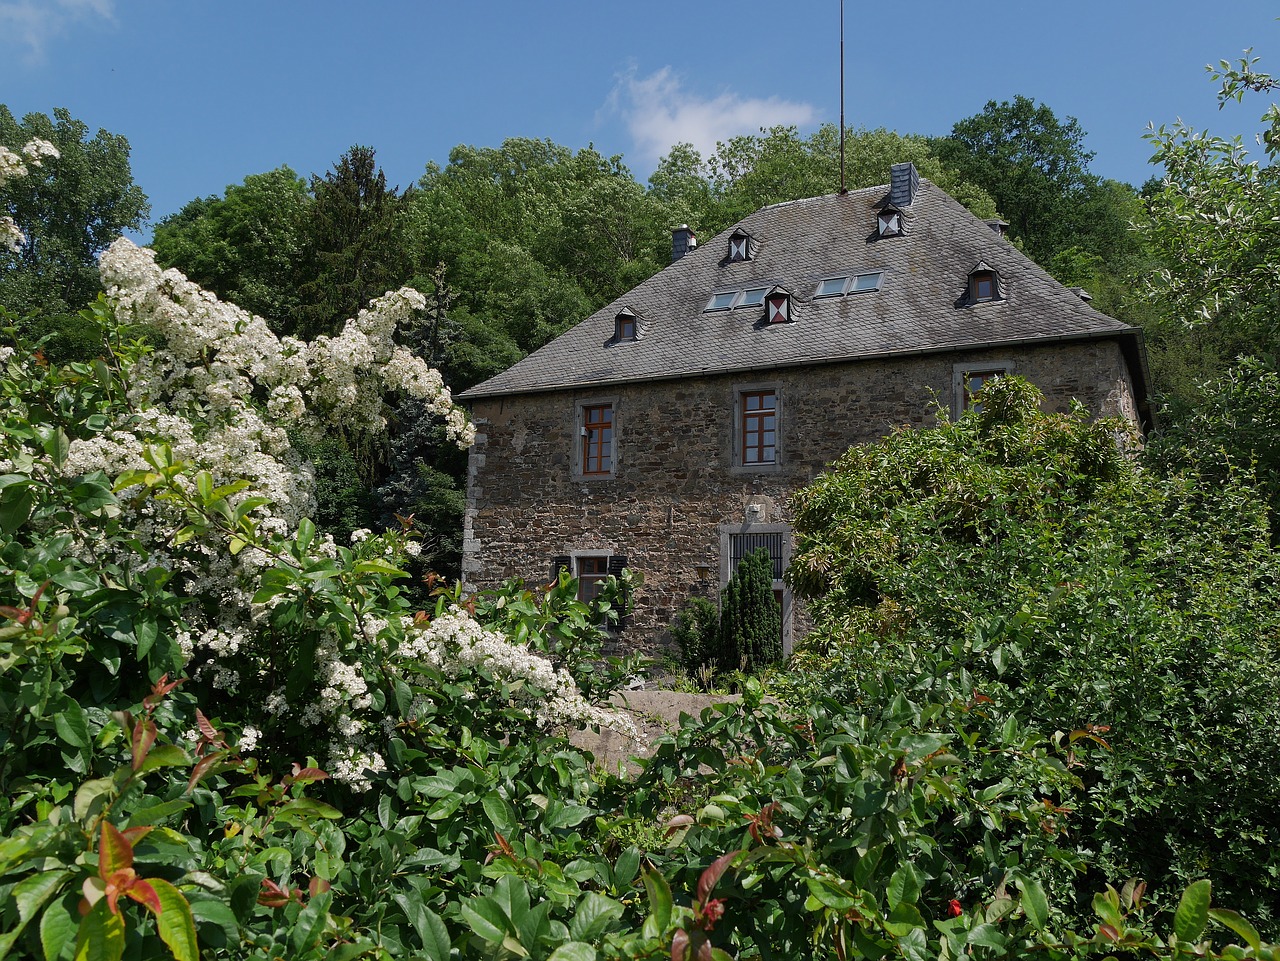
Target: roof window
column 739, row 245
column 849, row 284
column 733, row 299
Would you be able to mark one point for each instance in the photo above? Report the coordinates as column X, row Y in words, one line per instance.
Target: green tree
column 69, row 209
column 354, row 247
column 1036, row 168
column 1081, row 592
column 750, row 628
column 245, row 246
column 750, row 171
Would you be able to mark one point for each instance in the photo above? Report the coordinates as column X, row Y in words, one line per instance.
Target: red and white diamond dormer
column 777, row 306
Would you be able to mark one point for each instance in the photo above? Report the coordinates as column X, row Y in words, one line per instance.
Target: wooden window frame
column 591, row 571
column 746, row 423
column 590, row 449
column 979, row 278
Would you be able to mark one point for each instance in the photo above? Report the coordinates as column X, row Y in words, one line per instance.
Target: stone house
column 665, row 431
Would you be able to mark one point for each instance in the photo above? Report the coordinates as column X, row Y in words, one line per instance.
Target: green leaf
column 435, row 938
column 310, row 925
column 70, row 724
column 1034, row 904
column 174, row 921
column 659, row 892
column 32, row 892
column 88, row 795
column 594, row 914
column 573, row 951
column 1193, row 912
column 56, row 446
column 486, row 919
column 501, row 814
column 1238, row 924
column 101, row 935
column 58, row 926
column 163, row 755
column 904, row 886
column 15, row 507
column 988, row 936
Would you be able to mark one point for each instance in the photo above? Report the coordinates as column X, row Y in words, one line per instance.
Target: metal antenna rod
column 843, row 189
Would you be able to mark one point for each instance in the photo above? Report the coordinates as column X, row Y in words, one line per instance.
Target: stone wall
column 675, row 488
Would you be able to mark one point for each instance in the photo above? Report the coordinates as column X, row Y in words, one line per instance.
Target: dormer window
column 984, row 284
column 624, row 325
column 777, row 306
column 889, row 222
column 739, row 245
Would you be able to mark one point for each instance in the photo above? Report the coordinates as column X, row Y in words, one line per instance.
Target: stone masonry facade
column 677, row 492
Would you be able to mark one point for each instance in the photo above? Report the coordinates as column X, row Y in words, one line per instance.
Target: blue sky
column 208, row 92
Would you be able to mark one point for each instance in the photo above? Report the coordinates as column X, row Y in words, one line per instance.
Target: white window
column 969, row 379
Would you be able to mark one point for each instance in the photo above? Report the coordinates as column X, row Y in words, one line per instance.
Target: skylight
column 733, row 299
column 849, row 284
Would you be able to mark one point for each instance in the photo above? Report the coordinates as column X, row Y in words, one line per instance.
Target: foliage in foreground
column 1083, row 592
column 148, row 814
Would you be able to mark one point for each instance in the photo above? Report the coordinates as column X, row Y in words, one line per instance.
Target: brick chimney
column 904, row 181
column 682, row 241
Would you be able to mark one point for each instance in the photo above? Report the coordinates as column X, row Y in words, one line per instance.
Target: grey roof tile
column 919, row 307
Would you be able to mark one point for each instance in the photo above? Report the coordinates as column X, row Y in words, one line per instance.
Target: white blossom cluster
column 457, row 645
column 12, row 167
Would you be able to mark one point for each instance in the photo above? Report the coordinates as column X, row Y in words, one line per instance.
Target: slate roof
column 921, row 306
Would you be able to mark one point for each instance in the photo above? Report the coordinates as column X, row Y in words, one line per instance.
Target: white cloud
column 659, row 113
column 32, row 23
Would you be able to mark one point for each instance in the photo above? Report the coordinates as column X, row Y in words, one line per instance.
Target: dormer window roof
column 739, row 245
column 777, row 306
column 889, row 222
column 984, row 284
column 625, row 325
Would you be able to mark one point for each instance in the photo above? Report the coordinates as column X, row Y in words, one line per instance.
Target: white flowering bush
column 189, row 423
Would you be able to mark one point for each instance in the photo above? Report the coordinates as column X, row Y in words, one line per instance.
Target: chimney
column 682, row 241
column 903, row 184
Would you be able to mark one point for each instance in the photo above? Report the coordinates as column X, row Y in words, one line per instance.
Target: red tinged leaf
column 1109, row 932
column 159, row 690
column 712, row 874
column 272, row 895
column 303, row 775
column 115, row 853
column 118, row 883
column 679, row 945
column 204, row 766
column 206, row 728
column 678, row 822
column 144, row 894
column 134, row 835
column 954, row 908
column 318, row 886
column 144, row 735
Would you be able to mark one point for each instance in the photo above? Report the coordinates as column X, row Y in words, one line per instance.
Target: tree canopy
column 69, row 209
